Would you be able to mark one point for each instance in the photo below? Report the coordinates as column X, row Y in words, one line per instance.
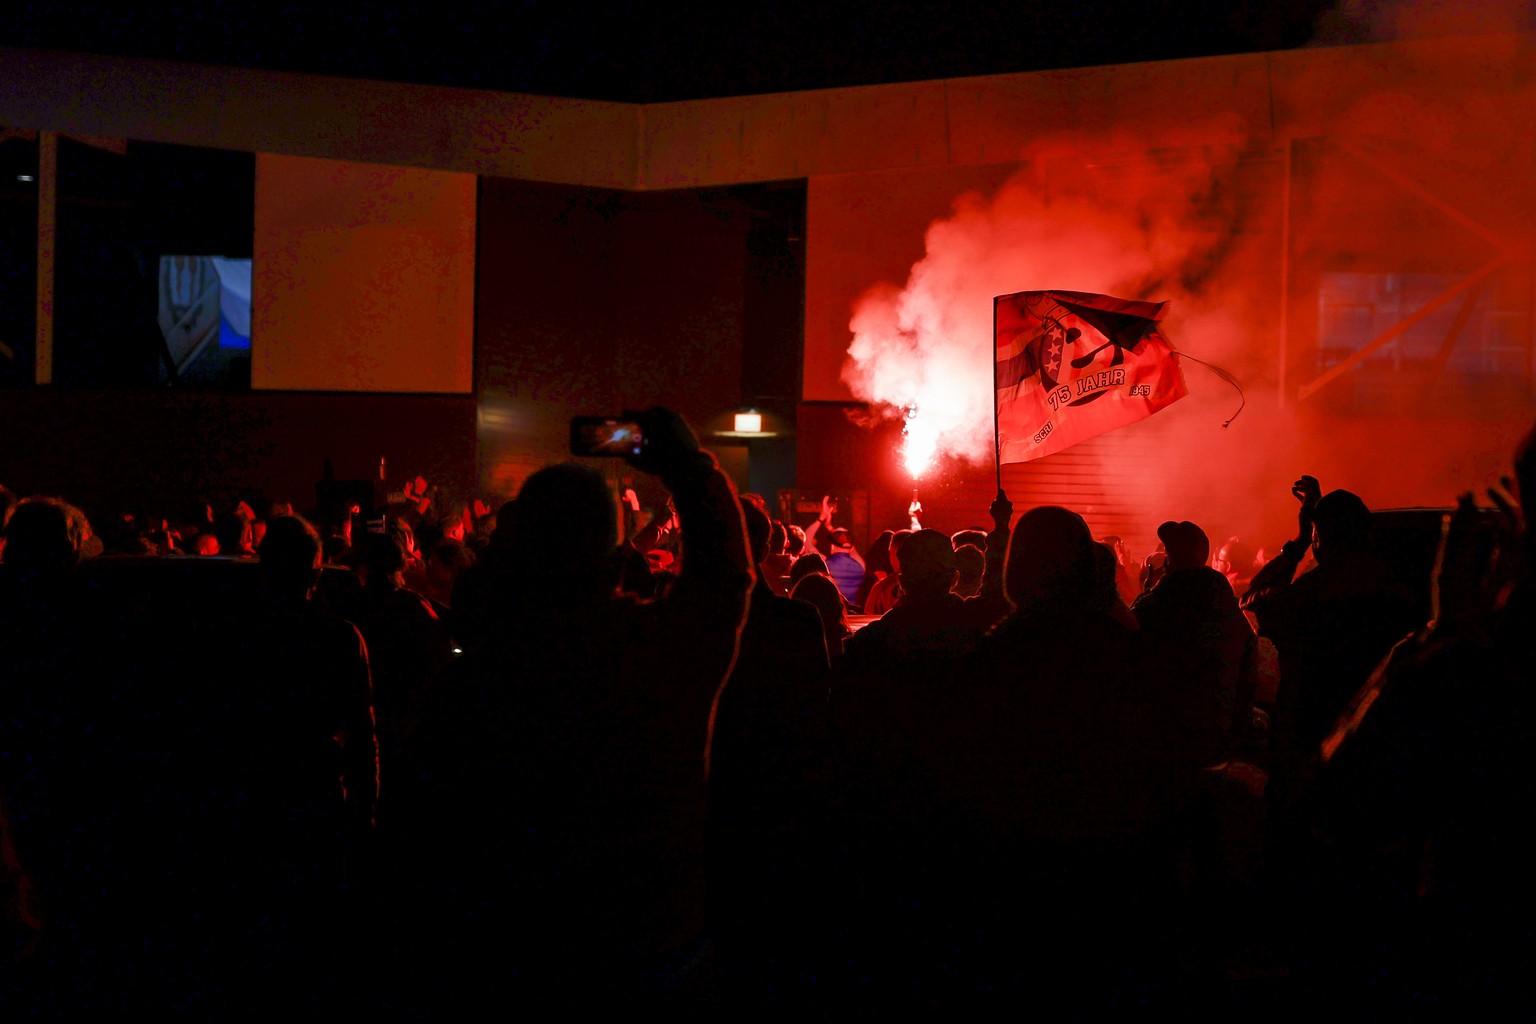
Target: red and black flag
column 1073, row 365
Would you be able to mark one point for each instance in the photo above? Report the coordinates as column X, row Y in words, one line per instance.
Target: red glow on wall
column 1368, row 284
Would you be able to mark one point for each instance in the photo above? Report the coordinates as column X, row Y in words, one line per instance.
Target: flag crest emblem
column 1073, row 365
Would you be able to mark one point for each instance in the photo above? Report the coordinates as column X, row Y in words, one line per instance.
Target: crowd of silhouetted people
column 547, row 759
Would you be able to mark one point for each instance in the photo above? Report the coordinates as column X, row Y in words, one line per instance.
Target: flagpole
column 997, row 444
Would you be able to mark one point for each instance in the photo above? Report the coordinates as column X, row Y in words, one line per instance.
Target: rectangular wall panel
column 363, row 278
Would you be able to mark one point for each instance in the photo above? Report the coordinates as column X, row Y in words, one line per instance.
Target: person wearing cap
column 1199, row 649
column 844, row 564
column 1330, row 625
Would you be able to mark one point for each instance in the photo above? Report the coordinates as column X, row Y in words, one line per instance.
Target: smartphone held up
column 605, row 436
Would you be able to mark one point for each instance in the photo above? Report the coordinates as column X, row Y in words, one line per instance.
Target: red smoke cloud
column 1425, row 177
column 926, row 348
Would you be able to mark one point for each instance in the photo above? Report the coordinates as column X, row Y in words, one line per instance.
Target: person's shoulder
column 315, row 629
column 774, row 608
column 870, row 637
column 880, row 595
column 1153, row 599
column 987, row 609
column 802, row 611
column 333, row 624
column 934, row 609
column 780, row 564
column 1213, row 586
column 410, row 603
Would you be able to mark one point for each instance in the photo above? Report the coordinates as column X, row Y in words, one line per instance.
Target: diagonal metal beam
column 1452, row 336
column 1402, row 327
column 1417, row 190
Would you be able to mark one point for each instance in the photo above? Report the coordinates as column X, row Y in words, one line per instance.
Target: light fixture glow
column 749, row 423
column 25, row 177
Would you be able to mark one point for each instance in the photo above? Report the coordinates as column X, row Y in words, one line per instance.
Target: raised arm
column 823, row 522
column 1001, row 511
column 717, row 570
column 697, row 626
column 1278, row 572
column 652, row 534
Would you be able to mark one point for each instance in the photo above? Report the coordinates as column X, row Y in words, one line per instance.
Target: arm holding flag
column 997, row 547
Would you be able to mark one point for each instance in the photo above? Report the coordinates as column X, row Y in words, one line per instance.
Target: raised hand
column 670, row 445
column 1001, row 510
column 1307, row 491
column 1479, row 558
column 1458, row 589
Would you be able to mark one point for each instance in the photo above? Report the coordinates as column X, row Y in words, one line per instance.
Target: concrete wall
column 955, row 122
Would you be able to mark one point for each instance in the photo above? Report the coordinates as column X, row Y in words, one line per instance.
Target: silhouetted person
column 1330, row 625
column 809, row 564
column 930, row 626
column 844, row 563
column 1236, row 560
column 1106, row 593
column 970, row 563
column 408, row 645
column 297, row 748
column 1059, row 789
column 877, row 566
column 776, row 564
column 233, row 532
column 819, row 591
column 42, row 794
column 1199, row 650
column 477, row 590
column 973, row 536
column 1423, row 903
column 794, row 540
column 446, row 561
column 210, row 755
column 894, row 713
column 558, row 813
column 766, row 791
column 884, row 593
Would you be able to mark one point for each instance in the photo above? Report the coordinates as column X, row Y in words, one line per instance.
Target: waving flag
column 1073, row 365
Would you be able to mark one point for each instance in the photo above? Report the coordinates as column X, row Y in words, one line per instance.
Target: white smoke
column 1137, row 224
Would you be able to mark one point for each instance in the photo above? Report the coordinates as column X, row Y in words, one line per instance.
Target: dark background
column 653, row 52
